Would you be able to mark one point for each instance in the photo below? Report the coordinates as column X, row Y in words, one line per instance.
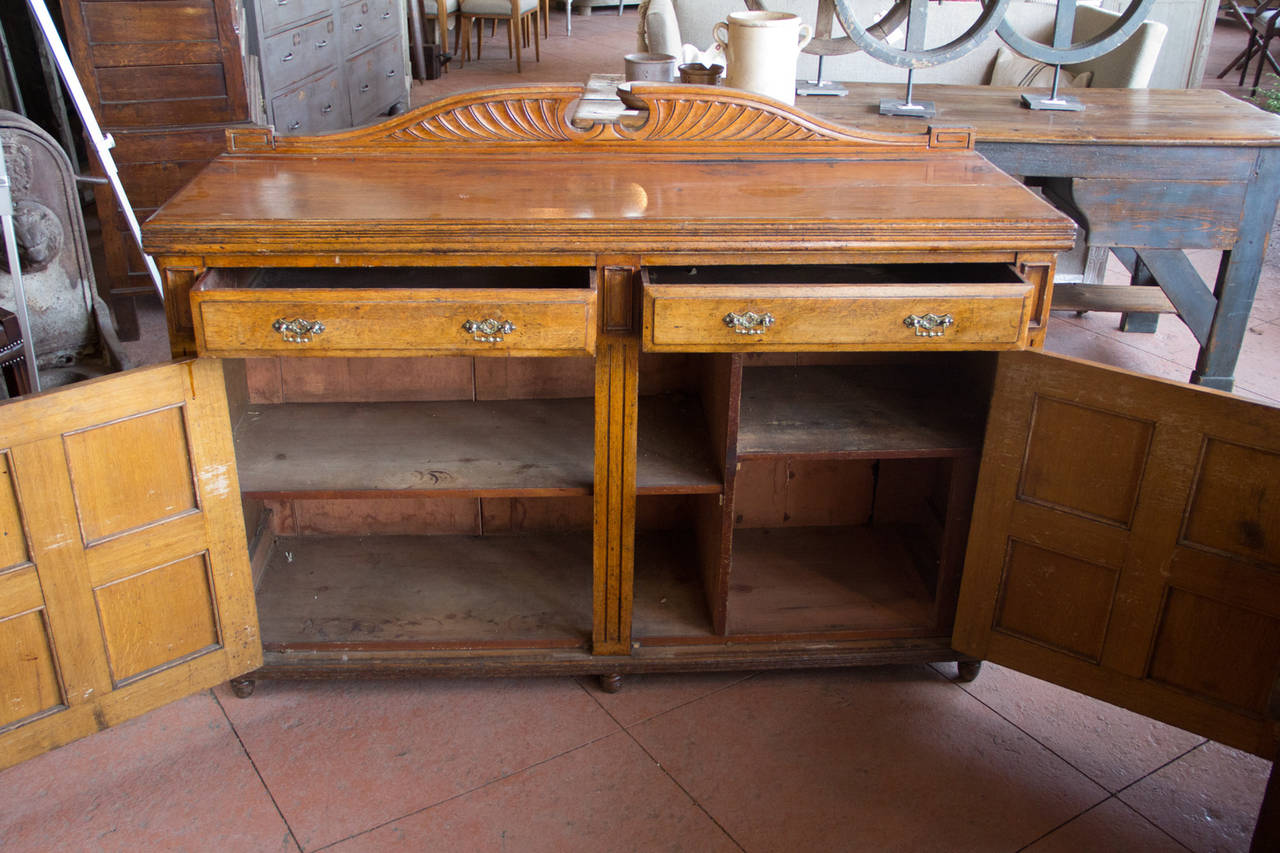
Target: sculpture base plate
column 815, row 87
column 917, row 109
column 1045, row 102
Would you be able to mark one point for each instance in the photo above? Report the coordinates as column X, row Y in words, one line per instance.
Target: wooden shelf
column 421, row 592
column 504, row 448
column 880, row 411
column 815, row 579
column 669, row 602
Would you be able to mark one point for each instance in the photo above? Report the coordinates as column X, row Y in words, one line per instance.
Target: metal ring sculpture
column 914, row 54
column 872, row 39
column 1062, row 51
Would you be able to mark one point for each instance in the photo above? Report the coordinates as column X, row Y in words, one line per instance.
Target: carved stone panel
column 52, row 250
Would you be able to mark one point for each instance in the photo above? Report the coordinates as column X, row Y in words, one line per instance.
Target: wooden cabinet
column 664, row 397
column 165, row 81
column 328, row 64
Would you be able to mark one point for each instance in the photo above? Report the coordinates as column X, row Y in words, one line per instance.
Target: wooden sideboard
column 721, row 390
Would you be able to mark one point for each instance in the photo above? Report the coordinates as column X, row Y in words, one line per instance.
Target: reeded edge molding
column 679, row 113
column 674, row 117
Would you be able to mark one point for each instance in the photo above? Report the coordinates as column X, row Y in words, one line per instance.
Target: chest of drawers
column 328, row 64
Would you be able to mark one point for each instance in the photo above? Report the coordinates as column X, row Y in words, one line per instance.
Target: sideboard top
column 506, row 171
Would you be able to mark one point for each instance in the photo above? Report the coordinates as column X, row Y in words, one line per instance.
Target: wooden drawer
column 296, row 54
column 375, row 81
column 368, row 21
column 276, row 14
column 873, row 312
column 313, row 107
column 240, row 313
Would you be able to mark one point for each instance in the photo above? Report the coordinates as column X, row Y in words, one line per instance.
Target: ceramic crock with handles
column 762, row 49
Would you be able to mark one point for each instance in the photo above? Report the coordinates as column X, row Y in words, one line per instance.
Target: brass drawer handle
column 930, row 325
column 298, row 330
column 748, row 322
column 489, row 331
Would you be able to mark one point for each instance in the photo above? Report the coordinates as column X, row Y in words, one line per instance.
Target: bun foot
column 967, row 670
column 611, row 683
column 243, row 687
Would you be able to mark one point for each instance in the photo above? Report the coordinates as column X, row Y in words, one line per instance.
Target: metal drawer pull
column 930, row 325
column 323, row 43
column 328, row 108
column 288, row 57
column 391, row 73
column 489, row 331
column 358, row 27
column 297, row 331
column 282, row 2
column 295, row 125
column 748, row 322
column 364, row 88
column 386, row 15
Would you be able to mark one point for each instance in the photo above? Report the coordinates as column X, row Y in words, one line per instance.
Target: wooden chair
column 521, row 14
column 1263, row 27
column 431, row 9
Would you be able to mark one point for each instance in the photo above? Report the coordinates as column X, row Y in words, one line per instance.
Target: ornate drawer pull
column 489, row 331
column 748, row 322
column 930, row 325
column 298, row 330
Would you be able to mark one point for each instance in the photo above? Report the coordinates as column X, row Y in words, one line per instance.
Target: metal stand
column 15, row 272
column 820, row 86
column 1054, row 101
column 102, row 144
column 908, row 107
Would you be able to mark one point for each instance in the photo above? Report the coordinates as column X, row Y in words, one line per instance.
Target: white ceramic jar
column 761, row 49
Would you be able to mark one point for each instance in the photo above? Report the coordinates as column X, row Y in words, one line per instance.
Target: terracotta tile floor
column 891, row 758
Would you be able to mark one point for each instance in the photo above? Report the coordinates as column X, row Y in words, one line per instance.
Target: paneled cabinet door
column 1126, row 544
column 124, row 576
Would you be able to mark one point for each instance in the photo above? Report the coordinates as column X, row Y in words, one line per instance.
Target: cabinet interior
column 403, row 278
column 446, row 501
column 848, row 484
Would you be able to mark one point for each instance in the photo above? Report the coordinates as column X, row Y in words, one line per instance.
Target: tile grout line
column 1157, row 827
column 692, row 799
column 1043, row 746
column 627, row 730
column 1111, row 795
column 292, row 835
column 479, row 787
column 625, row 726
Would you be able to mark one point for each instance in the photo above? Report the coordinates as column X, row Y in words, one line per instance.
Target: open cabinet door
column 124, row 575
column 1126, row 544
